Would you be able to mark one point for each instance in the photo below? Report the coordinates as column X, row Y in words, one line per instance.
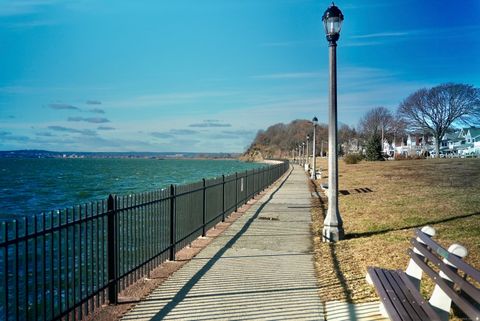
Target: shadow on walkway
column 181, row 295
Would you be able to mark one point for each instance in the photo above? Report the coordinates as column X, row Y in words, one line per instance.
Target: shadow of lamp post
column 314, row 163
column 332, row 225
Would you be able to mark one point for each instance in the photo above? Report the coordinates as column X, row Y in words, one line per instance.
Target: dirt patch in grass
column 381, row 203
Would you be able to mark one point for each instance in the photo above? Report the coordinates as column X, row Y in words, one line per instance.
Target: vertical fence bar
column 223, row 198
column 236, row 191
column 173, row 224
column 52, row 275
column 80, row 261
column 25, row 268
column 67, row 263
column 246, row 186
column 204, row 209
column 16, row 272
column 5, row 269
column 112, row 250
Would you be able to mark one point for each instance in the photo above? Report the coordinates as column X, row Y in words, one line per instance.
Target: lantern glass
column 333, row 25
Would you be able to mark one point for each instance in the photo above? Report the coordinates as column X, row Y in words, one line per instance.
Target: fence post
column 173, row 219
column 246, row 186
column 253, row 185
column 223, row 198
column 236, row 191
column 112, row 249
column 204, row 209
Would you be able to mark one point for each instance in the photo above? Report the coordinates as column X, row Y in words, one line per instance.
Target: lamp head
column 332, row 21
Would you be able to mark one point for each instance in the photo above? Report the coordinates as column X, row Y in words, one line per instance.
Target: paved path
column 261, row 267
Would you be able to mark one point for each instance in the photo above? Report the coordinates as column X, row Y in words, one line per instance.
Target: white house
column 464, row 142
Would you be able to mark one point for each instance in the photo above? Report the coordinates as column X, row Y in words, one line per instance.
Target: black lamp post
column 303, row 153
column 307, row 160
column 332, row 225
column 300, row 154
column 314, row 151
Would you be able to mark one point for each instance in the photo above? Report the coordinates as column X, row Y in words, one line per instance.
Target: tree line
column 431, row 112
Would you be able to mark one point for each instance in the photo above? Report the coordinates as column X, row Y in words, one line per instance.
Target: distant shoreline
column 121, row 155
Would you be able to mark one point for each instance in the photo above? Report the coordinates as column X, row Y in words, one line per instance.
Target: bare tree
column 376, row 120
column 435, row 110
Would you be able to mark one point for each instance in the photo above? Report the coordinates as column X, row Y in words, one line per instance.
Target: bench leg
column 413, row 271
column 439, row 300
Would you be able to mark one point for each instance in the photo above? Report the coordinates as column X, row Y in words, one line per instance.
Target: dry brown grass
column 381, row 204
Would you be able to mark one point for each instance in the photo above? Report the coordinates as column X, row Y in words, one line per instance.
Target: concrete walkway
column 261, row 267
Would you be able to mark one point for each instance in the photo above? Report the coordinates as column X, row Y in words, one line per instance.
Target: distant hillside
column 280, row 139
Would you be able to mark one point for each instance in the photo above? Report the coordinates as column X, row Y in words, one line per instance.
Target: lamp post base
column 332, row 233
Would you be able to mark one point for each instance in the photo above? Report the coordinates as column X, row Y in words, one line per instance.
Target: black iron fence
column 64, row 264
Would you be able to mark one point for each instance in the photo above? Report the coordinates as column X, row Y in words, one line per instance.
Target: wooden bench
column 454, row 279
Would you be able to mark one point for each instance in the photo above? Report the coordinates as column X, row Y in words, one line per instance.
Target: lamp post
column 307, row 156
column 314, row 161
column 300, row 154
column 303, row 153
column 332, row 225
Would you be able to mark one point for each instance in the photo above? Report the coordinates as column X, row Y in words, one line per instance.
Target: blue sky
column 206, row 75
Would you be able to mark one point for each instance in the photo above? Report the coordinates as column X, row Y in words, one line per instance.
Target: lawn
column 381, row 203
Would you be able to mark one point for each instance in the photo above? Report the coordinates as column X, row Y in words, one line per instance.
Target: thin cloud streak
column 93, row 102
column 381, row 35
column 293, row 75
column 210, row 123
column 58, row 106
column 97, row 111
column 86, row 132
column 167, row 99
column 93, row 120
column 106, row 128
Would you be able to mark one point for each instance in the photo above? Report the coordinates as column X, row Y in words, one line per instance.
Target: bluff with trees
column 279, row 140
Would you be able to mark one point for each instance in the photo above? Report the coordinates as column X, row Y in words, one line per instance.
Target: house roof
column 450, row 136
column 474, row 132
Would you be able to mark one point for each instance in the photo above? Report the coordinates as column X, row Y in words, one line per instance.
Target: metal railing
column 65, row 264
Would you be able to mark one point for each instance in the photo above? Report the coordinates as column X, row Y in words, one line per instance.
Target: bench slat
column 416, row 306
column 397, row 298
column 459, row 263
column 426, row 307
column 382, row 293
column 464, row 285
column 396, row 295
column 464, row 305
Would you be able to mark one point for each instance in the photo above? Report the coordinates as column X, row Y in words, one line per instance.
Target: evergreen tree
column 374, row 148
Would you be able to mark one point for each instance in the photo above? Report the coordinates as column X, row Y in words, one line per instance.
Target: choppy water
column 29, row 186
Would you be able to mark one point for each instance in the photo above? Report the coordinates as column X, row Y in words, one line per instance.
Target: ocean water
column 31, row 186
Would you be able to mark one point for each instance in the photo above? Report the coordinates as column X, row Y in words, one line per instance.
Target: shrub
column 374, row 148
column 352, row 158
